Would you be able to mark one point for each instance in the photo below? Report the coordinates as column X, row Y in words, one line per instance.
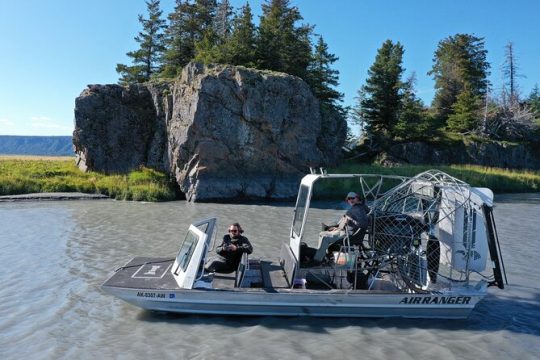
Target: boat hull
column 299, row 302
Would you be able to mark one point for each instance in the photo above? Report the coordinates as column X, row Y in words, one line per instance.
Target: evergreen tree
column 212, row 48
column 534, row 101
column 465, row 116
column 413, row 121
column 147, row 59
column 281, row 46
column 209, row 50
column 240, row 47
column 222, row 20
column 180, row 38
column 205, row 13
column 534, row 104
column 459, row 62
column 379, row 99
column 189, row 23
column 321, row 77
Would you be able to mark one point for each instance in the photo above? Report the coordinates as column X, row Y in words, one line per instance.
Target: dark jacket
column 357, row 216
column 233, row 257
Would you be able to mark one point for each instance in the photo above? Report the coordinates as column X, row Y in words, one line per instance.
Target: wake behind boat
column 425, row 254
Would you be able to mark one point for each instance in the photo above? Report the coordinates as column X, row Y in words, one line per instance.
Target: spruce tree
column 379, row 99
column 240, row 47
column 222, row 20
column 465, row 116
column 188, row 24
column 147, row 59
column 281, row 45
column 321, row 77
column 413, row 121
column 459, row 62
column 534, row 101
column 179, row 38
column 212, row 47
column 205, row 12
column 209, row 50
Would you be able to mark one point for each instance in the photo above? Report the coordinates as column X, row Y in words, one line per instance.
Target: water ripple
column 57, row 254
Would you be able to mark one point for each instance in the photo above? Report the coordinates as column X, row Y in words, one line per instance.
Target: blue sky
column 50, row 50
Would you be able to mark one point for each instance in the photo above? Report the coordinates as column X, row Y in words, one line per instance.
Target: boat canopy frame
column 371, row 190
column 447, row 213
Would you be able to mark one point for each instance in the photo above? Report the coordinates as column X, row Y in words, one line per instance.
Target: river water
column 55, row 255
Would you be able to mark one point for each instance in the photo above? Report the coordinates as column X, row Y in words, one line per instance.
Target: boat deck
column 155, row 273
column 144, row 273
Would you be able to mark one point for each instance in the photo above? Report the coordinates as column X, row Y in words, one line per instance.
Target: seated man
column 229, row 253
column 355, row 218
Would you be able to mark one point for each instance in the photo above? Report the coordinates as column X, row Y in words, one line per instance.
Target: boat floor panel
column 270, row 273
column 144, row 273
column 223, row 281
column 273, row 276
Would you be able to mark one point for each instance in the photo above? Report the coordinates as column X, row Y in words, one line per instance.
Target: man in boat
column 229, row 253
column 354, row 220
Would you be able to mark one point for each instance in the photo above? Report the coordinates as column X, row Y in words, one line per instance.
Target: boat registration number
column 150, row 295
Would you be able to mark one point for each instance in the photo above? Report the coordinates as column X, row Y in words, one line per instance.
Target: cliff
column 501, row 155
column 221, row 131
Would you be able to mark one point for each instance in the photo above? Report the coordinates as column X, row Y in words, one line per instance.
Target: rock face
column 486, row 154
column 223, row 132
column 116, row 129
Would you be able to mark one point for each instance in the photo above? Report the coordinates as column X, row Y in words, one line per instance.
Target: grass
column 25, row 175
column 497, row 179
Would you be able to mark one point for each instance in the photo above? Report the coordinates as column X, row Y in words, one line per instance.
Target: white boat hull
column 300, row 302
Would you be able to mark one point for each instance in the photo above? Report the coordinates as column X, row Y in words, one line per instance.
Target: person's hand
column 232, row 247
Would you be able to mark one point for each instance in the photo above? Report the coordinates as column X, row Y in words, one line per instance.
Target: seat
column 356, row 238
column 241, row 270
column 325, row 243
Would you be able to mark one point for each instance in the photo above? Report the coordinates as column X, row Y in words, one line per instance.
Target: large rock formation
column 222, row 131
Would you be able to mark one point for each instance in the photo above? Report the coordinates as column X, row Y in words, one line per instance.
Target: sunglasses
column 233, row 231
column 350, row 198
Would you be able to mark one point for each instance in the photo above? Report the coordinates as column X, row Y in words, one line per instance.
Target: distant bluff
column 221, row 131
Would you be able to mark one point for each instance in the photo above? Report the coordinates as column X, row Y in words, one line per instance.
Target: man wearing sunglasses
column 229, row 253
column 354, row 219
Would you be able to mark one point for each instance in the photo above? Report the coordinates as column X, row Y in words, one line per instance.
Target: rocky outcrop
column 117, row 129
column 221, row 131
column 502, row 155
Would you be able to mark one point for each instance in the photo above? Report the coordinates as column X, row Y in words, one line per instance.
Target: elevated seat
column 330, row 244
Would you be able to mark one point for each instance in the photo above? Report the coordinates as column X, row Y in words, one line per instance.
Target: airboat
column 431, row 251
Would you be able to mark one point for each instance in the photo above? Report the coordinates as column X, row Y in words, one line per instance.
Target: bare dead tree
column 510, row 71
column 507, row 118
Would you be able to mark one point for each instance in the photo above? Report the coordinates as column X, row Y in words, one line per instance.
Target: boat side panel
column 298, row 303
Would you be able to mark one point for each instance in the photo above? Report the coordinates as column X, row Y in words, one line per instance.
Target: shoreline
column 532, row 197
column 53, row 196
column 36, row 157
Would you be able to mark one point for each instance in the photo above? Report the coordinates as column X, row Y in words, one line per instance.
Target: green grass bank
column 34, row 175
column 497, row 179
column 38, row 175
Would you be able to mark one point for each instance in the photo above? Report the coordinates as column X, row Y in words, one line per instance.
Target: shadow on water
column 493, row 314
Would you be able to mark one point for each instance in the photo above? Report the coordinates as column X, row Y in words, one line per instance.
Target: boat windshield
column 300, row 209
column 186, row 251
